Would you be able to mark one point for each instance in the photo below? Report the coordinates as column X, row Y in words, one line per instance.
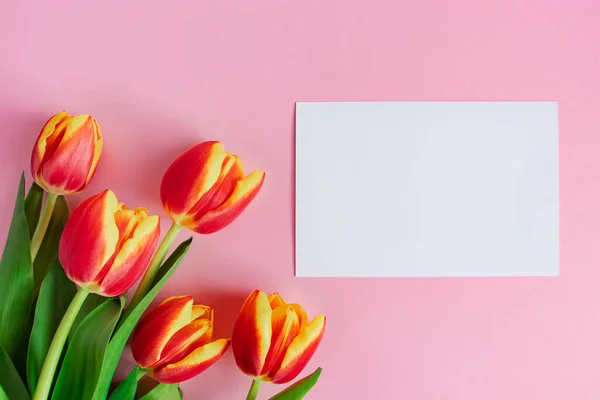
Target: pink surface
column 160, row 78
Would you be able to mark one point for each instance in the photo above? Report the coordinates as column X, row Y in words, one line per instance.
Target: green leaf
column 131, row 317
column 16, row 278
column 128, row 388
column 92, row 302
column 83, row 360
column 33, row 206
column 3, row 395
column 163, row 391
column 48, row 251
column 55, row 296
column 298, row 390
column 10, row 381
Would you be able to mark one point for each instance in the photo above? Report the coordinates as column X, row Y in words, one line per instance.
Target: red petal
column 66, row 170
column 252, row 334
column 157, row 327
column 197, row 362
column 231, row 172
column 90, row 238
column 285, row 327
column 300, row 351
column 191, row 175
column 43, row 144
column 132, row 258
column 244, row 193
column 192, row 336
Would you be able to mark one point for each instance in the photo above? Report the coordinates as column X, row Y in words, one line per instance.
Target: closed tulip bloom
column 106, row 247
column 66, row 153
column 173, row 343
column 272, row 340
column 205, row 189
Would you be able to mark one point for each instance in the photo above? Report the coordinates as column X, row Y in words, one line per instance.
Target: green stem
column 60, row 337
column 155, row 264
column 254, row 388
column 42, row 226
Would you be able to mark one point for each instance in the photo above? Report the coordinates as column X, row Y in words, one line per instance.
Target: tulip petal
column 195, row 363
column 231, row 172
column 299, row 352
column 89, row 238
column 192, row 336
column 276, row 300
column 156, row 329
column 252, row 334
column 98, row 145
column 244, row 193
column 191, row 175
column 43, row 144
column 131, row 260
column 67, row 168
column 202, row 311
column 302, row 317
column 285, row 327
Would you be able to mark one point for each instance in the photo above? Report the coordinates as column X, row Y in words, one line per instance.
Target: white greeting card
column 427, row 189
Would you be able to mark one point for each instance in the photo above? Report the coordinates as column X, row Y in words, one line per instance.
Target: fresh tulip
column 272, row 340
column 66, row 153
column 105, row 247
column 205, row 189
column 173, row 343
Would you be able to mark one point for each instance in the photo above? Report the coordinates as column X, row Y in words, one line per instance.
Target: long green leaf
column 55, row 296
column 298, row 390
column 85, row 354
column 33, row 206
column 130, row 319
column 10, row 381
column 3, row 395
column 46, row 256
column 16, row 278
column 128, row 388
column 92, row 302
column 164, row 392
column 48, row 252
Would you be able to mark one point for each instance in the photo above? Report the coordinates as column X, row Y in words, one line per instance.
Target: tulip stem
column 159, row 256
column 254, row 388
column 42, row 226
column 60, row 337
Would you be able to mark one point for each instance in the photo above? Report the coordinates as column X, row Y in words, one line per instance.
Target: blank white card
column 427, row 189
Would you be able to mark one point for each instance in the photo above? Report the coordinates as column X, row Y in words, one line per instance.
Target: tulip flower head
column 174, row 343
column 204, row 189
column 66, row 153
column 272, row 340
column 106, row 247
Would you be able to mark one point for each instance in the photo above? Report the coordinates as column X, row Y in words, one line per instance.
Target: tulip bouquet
column 65, row 316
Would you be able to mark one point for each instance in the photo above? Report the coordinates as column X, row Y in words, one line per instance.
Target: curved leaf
column 298, row 390
column 16, row 278
column 56, row 294
column 130, row 319
column 48, row 251
column 10, row 381
column 92, row 302
column 33, row 206
column 128, row 388
column 85, row 354
column 162, row 391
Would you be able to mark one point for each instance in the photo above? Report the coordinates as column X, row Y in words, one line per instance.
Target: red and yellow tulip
column 106, row 247
column 272, row 340
column 204, row 189
column 66, row 153
column 173, row 343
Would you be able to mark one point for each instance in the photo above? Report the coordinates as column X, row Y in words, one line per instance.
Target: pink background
column 160, row 78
